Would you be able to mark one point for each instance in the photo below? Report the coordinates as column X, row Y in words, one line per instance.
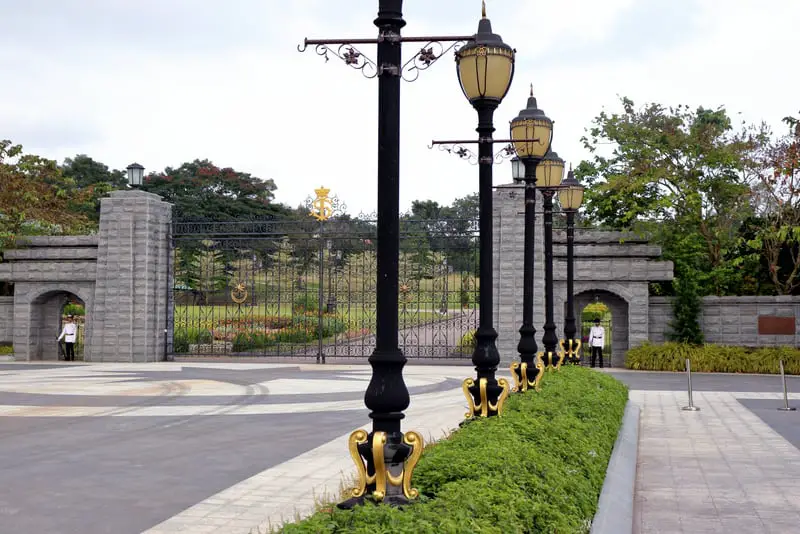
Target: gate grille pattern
column 307, row 289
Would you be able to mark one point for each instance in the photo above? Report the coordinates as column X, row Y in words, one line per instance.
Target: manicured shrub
column 465, row 298
column 302, row 330
column 6, row 349
column 594, row 310
column 74, row 309
column 331, row 325
column 713, row 358
column 539, row 468
column 306, row 301
column 180, row 341
column 466, row 345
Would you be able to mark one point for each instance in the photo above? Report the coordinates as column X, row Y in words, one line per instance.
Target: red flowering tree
column 200, row 189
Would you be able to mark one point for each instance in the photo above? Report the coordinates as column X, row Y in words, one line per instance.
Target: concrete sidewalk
column 720, row 470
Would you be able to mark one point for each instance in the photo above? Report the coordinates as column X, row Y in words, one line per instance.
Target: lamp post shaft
column 387, row 395
column 384, row 450
column 527, row 347
column 486, row 357
column 569, row 322
column 550, row 339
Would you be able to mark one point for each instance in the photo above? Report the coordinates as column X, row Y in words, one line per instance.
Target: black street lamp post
column 386, row 457
column 533, row 124
column 570, row 198
column 551, row 171
column 485, row 69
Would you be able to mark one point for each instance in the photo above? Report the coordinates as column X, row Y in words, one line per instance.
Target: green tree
column 776, row 200
column 36, row 198
column 677, row 173
column 207, row 271
column 200, row 189
column 686, row 308
column 85, row 171
column 95, row 180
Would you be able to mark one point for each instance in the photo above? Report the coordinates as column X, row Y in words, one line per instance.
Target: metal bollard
column 691, row 407
column 786, row 407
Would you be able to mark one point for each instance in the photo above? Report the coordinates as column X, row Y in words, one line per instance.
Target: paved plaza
column 229, row 448
column 732, row 467
column 192, row 447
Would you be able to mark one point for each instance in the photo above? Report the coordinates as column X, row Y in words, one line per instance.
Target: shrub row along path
column 732, row 467
column 225, row 448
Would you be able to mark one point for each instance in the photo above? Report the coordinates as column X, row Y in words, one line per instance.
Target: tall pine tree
column 686, row 308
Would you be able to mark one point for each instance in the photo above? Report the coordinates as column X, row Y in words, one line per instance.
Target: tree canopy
column 199, row 189
column 775, row 232
column 85, row 172
column 682, row 175
column 36, row 198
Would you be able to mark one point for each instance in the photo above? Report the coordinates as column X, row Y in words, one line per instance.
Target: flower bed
column 539, row 468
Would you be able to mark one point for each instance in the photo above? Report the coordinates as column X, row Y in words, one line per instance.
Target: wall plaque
column 769, row 325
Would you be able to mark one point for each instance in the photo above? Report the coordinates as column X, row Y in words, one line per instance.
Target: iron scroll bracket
column 346, row 50
column 457, row 148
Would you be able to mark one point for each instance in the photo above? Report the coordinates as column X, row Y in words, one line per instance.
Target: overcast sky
column 161, row 82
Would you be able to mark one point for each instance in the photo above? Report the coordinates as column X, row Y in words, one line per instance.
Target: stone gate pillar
column 131, row 292
column 509, row 247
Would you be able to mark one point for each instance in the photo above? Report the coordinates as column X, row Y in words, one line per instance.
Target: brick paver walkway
column 720, row 470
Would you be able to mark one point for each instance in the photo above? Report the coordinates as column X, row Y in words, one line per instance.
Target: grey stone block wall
column 131, row 289
column 617, row 267
column 6, row 319
column 509, row 246
column 121, row 275
column 731, row 320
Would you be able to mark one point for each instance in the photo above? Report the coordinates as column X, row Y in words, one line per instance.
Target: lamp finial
column 483, row 8
column 531, row 89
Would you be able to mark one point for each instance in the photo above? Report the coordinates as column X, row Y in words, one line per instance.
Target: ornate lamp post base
column 485, row 399
column 570, row 348
column 384, row 468
column 553, row 360
column 526, row 377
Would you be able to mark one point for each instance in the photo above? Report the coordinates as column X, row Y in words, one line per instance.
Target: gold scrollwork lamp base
column 485, row 408
column 383, row 478
column 519, row 372
column 572, row 352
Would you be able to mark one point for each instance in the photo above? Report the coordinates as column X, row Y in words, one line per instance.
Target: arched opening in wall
column 50, row 313
column 612, row 311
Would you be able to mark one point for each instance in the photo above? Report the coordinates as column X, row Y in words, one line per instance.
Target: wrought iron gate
column 306, row 288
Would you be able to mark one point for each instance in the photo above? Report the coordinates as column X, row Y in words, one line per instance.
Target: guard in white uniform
column 70, row 335
column 597, row 340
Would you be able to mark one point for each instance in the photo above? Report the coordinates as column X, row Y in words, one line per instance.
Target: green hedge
column 713, row 358
column 74, row 309
column 539, row 468
column 183, row 337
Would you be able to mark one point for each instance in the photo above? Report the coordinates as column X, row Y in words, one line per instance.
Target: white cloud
column 196, row 80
